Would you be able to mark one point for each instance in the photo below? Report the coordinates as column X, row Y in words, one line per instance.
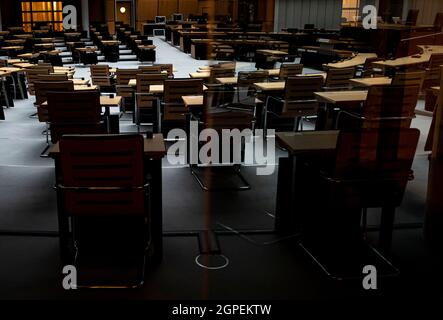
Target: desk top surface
column 335, row 97
column 369, row 82
column 105, row 101
column 154, row 148
column 193, row 101
column 355, row 61
column 308, row 141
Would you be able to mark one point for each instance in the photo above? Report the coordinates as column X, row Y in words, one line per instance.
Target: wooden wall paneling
column 110, row 19
column 97, row 11
column 146, row 10
column 297, row 13
column 428, row 10
column 188, row 7
column 167, row 7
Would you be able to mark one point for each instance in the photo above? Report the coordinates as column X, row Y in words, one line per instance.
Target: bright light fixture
column 122, row 9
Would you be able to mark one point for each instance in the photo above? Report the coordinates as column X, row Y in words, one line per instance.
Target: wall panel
column 297, row 13
column 428, row 10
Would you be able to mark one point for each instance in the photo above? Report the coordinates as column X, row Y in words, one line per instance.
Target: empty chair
column 123, row 89
column 174, row 109
column 41, row 94
column 168, row 67
column 409, row 79
column 74, row 113
column 220, row 113
column 339, row 78
column 438, row 22
column 246, row 79
column 100, row 71
column 147, row 103
column 412, row 18
column 105, row 195
column 368, row 70
column 221, row 72
column 290, row 70
column 433, row 71
column 31, row 76
column 369, row 169
column 299, row 101
column 385, row 107
column 150, row 69
column 53, row 77
column 101, row 77
column 432, row 79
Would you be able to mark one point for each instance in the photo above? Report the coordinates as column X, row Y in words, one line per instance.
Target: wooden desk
column 11, row 69
column 111, row 42
column 369, row 82
column 227, row 81
column 409, row 61
column 274, row 72
column 297, row 144
column 80, row 82
column 358, row 60
column 85, row 88
column 308, row 141
column 12, row 48
column 86, row 49
column 268, row 52
column 28, row 56
column 193, row 101
column 154, row 151
column 24, row 65
column 200, row 75
column 13, row 61
column 271, row 86
column 105, row 101
column 338, row 97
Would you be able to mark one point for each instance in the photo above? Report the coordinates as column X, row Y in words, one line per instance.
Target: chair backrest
column 433, row 72
column 218, row 115
column 221, row 73
column 168, row 67
column 173, row 92
column 438, row 22
column 150, row 69
column 299, row 95
column 339, row 78
column 124, row 75
column 390, row 106
column 412, row 17
column 32, row 74
column 375, row 165
column 111, row 162
column 101, row 81
column 144, row 81
column 45, row 66
column 290, row 70
column 99, row 71
column 247, row 79
column 409, row 79
column 74, row 113
column 43, row 87
column 52, row 77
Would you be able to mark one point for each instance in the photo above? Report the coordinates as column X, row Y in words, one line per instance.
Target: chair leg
column 237, row 168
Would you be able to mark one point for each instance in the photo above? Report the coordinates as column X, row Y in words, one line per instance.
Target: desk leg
column 386, row 229
column 285, row 200
column 157, row 208
column 63, row 220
